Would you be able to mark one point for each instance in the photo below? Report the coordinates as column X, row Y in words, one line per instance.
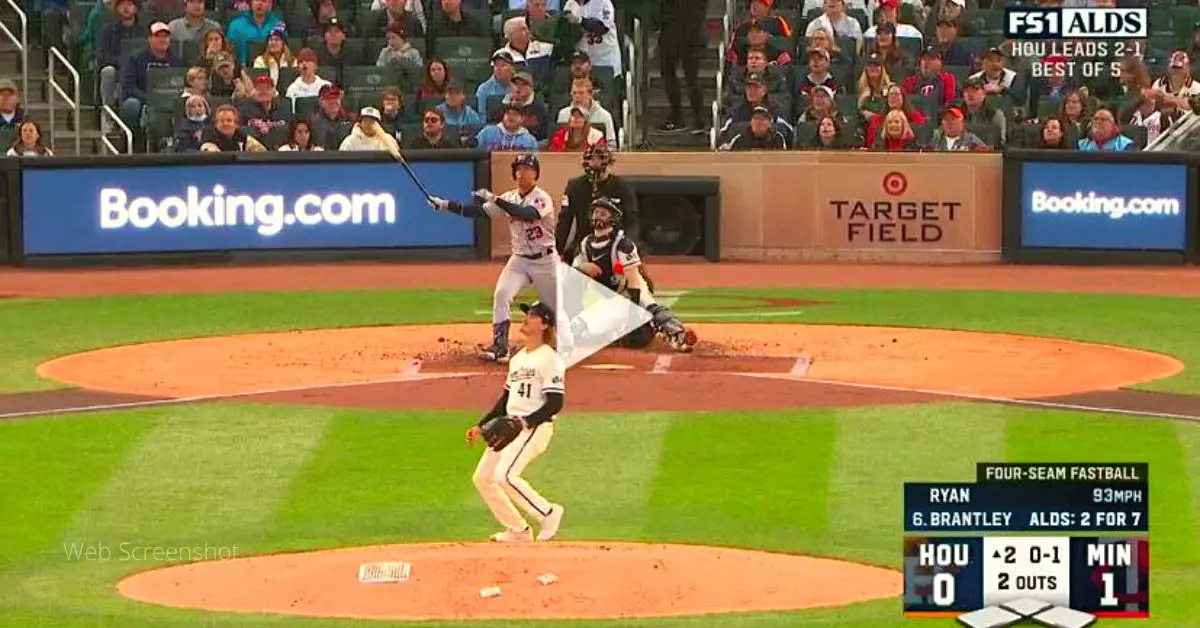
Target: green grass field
column 269, row 478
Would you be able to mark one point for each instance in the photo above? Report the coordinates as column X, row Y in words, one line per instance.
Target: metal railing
column 726, row 30
column 108, row 111
column 1169, row 140
column 22, row 44
column 629, row 118
column 55, row 58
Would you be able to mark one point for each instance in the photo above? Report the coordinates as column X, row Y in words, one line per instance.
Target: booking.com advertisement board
column 241, row 206
column 1115, row 206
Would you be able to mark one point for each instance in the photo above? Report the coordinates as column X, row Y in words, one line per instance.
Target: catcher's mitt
column 500, row 431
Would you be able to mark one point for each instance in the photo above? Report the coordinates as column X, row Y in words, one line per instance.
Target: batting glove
column 439, row 203
column 485, row 196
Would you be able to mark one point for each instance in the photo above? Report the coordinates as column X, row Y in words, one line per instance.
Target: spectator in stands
column 194, row 23
column 820, row 105
column 835, row 21
column 680, row 42
column 195, row 82
column 437, row 77
column 226, row 81
column 953, row 135
column 499, row 84
column 509, row 134
column 1105, row 135
column 873, row 85
column 263, row 111
column 11, row 111
column 536, row 57
column 276, row 55
column 191, row 127
column 156, row 54
column 55, row 14
column 332, row 120
column 818, row 73
column 331, row 53
column 552, row 29
column 1168, row 114
column 164, row 7
column 889, row 51
column 1193, row 42
column 1144, row 113
column 773, row 24
column 581, row 66
column 822, row 40
column 953, row 52
column 536, row 115
column 953, row 11
column 398, row 52
column 583, row 96
column 774, row 77
column 307, row 84
column 397, row 12
column 933, row 82
column 455, row 110
column 213, row 43
column 1073, row 113
column 758, row 39
column 755, row 96
column 1135, row 77
column 455, row 21
column 29, row 141
column 1178, row 81
column 253, row 25
column 761, row 134
column 300, row 137
column 895, row 102
column 597, row 18
column 1052, row 136
column 829, row 136
column 391, row 110
column 433, row 136
column 415, row 8
column 324, row 12
column 108, row 56
column 577, row 134
column 998, row 79
column 978, row 111
column 369, row 135
column 889, row 13
column 226, row 134
column 897, row 134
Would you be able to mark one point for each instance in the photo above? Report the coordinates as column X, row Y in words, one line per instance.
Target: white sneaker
column 508, row 536
column 550, row 525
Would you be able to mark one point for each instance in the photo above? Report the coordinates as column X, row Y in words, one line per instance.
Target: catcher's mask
column 596, row 161
column 527, row 159
column 609, row 216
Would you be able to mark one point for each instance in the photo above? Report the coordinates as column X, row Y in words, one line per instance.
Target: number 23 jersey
column 532, row 237
column 532, row 374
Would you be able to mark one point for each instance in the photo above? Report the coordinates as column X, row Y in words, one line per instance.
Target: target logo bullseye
column 894, row 183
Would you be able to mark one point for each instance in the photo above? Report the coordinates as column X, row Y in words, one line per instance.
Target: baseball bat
column 413, row 175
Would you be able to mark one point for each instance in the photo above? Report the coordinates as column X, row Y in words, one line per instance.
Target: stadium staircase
column 656, row 111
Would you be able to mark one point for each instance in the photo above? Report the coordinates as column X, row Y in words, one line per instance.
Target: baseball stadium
column 663, row 313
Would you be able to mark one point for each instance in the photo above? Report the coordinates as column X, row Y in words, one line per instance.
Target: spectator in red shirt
column 933, row 82
column 895, row 102
column 897, row 135
column 437, row 77
column 760, row 12
column 757, row 38
column 818, row 73
column 577, row 134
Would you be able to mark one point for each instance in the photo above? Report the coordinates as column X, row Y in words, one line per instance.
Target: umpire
column 575, row 217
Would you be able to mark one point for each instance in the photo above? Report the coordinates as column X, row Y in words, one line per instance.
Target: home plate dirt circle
column 595, row 581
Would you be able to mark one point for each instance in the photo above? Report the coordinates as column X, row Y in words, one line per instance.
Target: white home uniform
column 531, row 374
column 533, row 260
column 604, row 50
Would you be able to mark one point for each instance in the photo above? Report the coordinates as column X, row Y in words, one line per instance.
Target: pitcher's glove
column 499, row 431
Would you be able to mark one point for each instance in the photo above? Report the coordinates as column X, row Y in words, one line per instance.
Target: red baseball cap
column 891, row 4
column 954, row 112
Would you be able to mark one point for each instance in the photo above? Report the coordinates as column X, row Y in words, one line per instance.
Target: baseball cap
column 754, row 78
column 769, row 3
column 264, row 79
column 370, row 112
column 7, row 85
column 961, row 3
column 893, row 4
column 996, row 50
column 755, row 25
column 502, row 55
column 329, row 91
column 222, row 58
column 974, row 81
column 823, row 88
column 523, row 77
column 540, row 310
column 397, row 28
column 454, row 85
column 505, row 107
column 334, row 23
column 583, row 111
column 1179, row 59
column 760, row 111
column 953, row 112
column 580, row 55
column 159, row 27
column 820, row 52
column 875, row 59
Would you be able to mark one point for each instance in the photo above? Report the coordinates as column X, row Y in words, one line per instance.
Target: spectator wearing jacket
column 552, row 29
column 226, row 134
column 509, row 134
column 192, row 126
column 757, row 39
column 829, row 136
column 755, row 96
column 773, row 76
column 836, row 22
column 999, row 80
column 933, row 82
column 536, row 116
column 11, row 111
column 583, row 96
column 824, row 40
column 455, row 110
column 535, row 57
column 1105, row 135
column 307, row 83
column 393, row 13
column 888, row 48
column 368, row 134
column 977, row 110
column 399, row 52
column 895, row 102
column 953, row 135
column 332, row 54
column 818, row 73
column 500, row 82
column 895, row 133
column 332, row 121
column 156, row 54
column 1053, row 136
column 1178, row 81
column 761, row 15
column 949, row 10
column 455, row 21
column 577, row 134
column 433, row 132
column 251, row 26
column 761, row 134
column 953, row 52
column 193, row 24
column 108, row 53
column 263, row 111
column 300, row 137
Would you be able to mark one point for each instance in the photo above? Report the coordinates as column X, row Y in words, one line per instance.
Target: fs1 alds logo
column 1046, row 23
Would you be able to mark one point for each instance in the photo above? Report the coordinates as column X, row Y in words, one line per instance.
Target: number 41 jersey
column 532, row 374
column 532, row 237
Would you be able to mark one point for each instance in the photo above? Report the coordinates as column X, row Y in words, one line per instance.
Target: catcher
column 518, row 429
column 611, row 258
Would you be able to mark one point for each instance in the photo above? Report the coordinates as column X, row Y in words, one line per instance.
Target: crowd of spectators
column 938, row 75
column 202, row 75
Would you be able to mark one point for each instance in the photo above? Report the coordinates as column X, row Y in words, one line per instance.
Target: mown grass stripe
column 1189, row 441
column 878, row 449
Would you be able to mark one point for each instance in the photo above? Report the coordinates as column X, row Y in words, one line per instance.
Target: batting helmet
column 526, row 159
column 613, row 207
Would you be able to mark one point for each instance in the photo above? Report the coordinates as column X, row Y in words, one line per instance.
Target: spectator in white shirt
column 534, row 55
column 836, row 21
column 889, row 11
column 598, row 19
column 581, row 96
column 1145, row 114
column 29, row 142
column 307, row 84
column 1178, row 81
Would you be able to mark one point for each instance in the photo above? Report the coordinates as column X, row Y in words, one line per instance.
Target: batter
column 534, row 260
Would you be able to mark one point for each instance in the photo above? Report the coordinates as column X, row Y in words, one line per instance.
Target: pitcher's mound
column 595, row 581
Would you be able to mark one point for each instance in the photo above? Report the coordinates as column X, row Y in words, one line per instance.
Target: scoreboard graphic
column 1059, row 545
